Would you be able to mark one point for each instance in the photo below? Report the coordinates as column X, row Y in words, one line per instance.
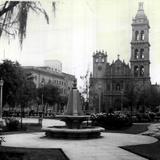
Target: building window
column 142, row 54
column 49, row 81
column 102, row 60
column 136, row 54
column 43, row 80
column 142, row 36
column 99, row 68
column 141, row 70
column 117, row 87
column 136, row 35
column 108, row 87
column 35, row 77
column 136, row 71
column 97, row 60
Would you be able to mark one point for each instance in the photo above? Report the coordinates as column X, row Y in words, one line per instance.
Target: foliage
column 85, row 88
column 12, row 124
column 11, row 73
column 153, row 98
column 63, row 100
column 27, row 92
column 50, row 94
column 142, row 95
column 14, row 16
column 19, row 87
column 144, row 117
column 111, row 120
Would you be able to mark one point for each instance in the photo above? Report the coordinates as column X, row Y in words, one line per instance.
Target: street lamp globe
column 1, row 83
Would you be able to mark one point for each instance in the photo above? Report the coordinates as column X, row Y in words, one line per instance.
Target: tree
column 10, row 72
column 132, row 95
column 19, row 87
column 85, row 89
column 14, row 16
column 49, row 93
column 151, row 98
column 146, row 96
column 26, row 94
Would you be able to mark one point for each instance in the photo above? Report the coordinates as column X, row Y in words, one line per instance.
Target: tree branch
column 11, row 6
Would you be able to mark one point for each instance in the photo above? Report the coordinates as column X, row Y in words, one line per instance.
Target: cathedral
column 109, row 81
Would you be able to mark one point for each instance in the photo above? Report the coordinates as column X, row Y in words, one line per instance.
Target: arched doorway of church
column 117, row 104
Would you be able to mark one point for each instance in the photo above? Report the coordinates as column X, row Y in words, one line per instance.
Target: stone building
column 44, row 75
column 54, row 65
column 109, row 81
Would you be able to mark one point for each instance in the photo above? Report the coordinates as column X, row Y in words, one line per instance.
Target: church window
column 49, row 81
column 142, row 36
column 142, row 54
column 141, row 70
column 35, row 77
column 99, row 68
column 136, row 54
column 43, row 80
column 117, row 87
column 103, row 60
column 136, row 71
column 136, row 35
column 96, row 59
column 108, row 87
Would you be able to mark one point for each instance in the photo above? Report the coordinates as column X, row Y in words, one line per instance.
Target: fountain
column 74, row 119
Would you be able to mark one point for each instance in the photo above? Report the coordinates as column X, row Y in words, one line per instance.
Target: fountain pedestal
column 74, row 122
column 73, row 118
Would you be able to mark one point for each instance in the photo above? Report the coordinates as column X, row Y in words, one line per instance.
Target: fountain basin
column 66, row 133
column 73, row 118
column 73, row 122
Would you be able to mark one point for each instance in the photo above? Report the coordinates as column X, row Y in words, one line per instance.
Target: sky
column 79, row 28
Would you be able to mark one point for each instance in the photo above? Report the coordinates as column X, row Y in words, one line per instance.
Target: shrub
column 12, row 124
column 145, row 117
column 152, row 115
column 111, row 120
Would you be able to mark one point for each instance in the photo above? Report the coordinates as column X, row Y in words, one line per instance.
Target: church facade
column 109, row 81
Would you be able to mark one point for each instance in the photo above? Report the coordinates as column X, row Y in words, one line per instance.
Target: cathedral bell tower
column 140, row 46
column 99, row 64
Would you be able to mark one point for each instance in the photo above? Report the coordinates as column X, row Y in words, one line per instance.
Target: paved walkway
column 103, row 148
column 153, row 130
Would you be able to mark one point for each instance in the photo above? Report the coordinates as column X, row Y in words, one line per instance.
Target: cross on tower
column 140, row 5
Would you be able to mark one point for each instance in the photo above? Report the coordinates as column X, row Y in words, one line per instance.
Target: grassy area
column 10, row 153
column 149, row 151
column 27, row 127
column 134, row 129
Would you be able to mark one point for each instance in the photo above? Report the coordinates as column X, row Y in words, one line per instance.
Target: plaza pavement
column 153, row 130
column 106, row 147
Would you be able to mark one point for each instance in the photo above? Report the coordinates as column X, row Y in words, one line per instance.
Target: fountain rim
column 67, row 130
column 73, row 116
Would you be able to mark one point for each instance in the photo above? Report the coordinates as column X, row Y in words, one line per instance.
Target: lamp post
column 1, row 86
column 42, row 98
column 122, row 99
column 41, row 116
column 99, row 104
